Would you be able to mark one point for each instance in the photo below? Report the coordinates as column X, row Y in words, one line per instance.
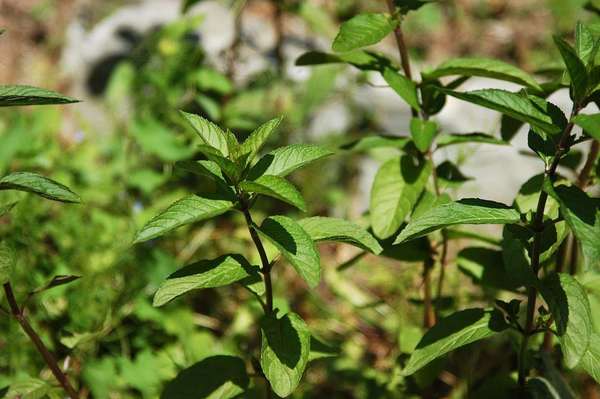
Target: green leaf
column 423, row 132
column 363, row 60
column 211, row 134
column 185, row 211
column 204, row 167
column 276, row 187
column 515, row 258
column 15, row 95
column 575, row 67
column 582, row 214
column 39, row 185
column 410, row 5
column 569, row 304
column 56, row 281
column 362, row 30
column 214, row 377
column 321, row 228
column 7, row 261
column 516, row 105
column 465, row 211
column 284, row 160
column 449, row 175
column 584, row 43
column 258, row 137
column 590, row 124
column 446, row 139
column 452, row 332
column 485, row 67
column 295, row 245
column 232, row 169
column 371, row 142
column 395, row 191
column 208, row 273
column 402, row 85
column 30, row 388
column 485, row 267
column 541, row 388
column 591, row 359
column 284, row 352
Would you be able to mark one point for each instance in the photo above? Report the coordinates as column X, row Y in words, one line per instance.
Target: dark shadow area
column 283, row 339
column 556, row 298
column 203, row 378
column 483, row 202
column 449, row 172
column 206, row 265
column 261, row 166
column 578, row 202
column 280, row 235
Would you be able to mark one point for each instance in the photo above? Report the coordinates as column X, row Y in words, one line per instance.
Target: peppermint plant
column 242, row 175
column 536, row 262
column 11, row 96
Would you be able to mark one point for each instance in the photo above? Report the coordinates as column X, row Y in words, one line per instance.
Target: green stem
column 538, row 227
column 265, row 270
column 18, row 314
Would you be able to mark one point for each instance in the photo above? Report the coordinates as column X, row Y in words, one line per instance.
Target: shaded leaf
column 258, row 137
column 204, row 168
column 285, row 349
column 568, row 303
column 321, row 228
column 185, row 211
column 541, row 388
column 295, row 245
column 465, row 211
column 452, row 332
column 232, row 169
column 363, row 60
column 7, row 261
column 582, row 214
column 56, row 282
column 575, row 67
column 208, row 273
column 215, row 377
column 371, row 142
column 39, row 185
column 485, row 267
column 395, row 191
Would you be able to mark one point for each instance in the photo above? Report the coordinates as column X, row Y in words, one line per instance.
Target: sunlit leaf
column 39, row 185
column 333, row 229
column 185, row 211
column 465, row 211
column 362, row 30
column 207, row 273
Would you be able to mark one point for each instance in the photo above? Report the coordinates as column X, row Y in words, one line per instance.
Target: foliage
column 208, row 251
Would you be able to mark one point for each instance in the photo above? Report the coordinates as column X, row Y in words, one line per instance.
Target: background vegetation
column 119, row 151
